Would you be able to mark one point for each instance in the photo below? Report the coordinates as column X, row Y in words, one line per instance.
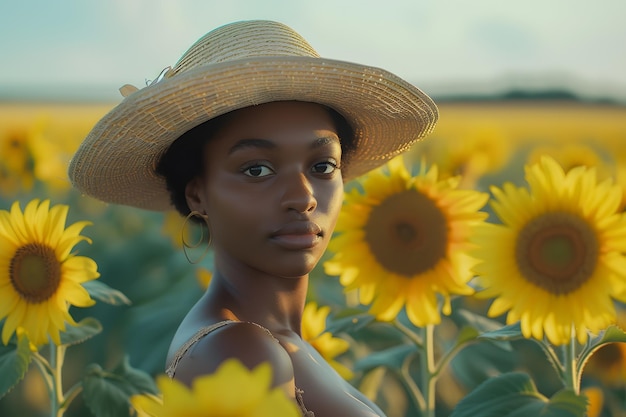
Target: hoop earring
column 187, row 245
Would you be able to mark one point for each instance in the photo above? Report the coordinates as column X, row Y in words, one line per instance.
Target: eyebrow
column 252, row 143
column 324, row 140
column 268, row 144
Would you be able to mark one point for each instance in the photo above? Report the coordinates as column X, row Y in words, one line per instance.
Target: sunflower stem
column 414, row 390
column 46, row 372
column 428, row 369
column 57, row 356
column 70, row 395
column 446, row 358
column 571, row 368
column 414, row 337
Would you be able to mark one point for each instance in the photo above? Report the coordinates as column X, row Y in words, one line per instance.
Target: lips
column 297, row 236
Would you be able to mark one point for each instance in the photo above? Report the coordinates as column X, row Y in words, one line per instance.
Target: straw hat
column 239, row 65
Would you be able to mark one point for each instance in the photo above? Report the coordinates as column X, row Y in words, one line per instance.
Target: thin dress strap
column 180, row 353
column 171, row 368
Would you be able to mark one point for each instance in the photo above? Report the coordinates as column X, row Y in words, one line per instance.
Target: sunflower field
column 483, row 273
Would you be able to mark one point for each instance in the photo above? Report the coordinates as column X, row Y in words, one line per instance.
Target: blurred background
column 75, row 50
column 512, row 80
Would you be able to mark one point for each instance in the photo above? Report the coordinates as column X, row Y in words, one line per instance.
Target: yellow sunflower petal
column 34, row 215
column 13, row 320
column 275, row 404
column 422, row 308
column 343, row 371
column 70, row 237
column 387, row 305
column 176, row 396
column 232, row 390
column 311, row 324
column 36, row 323
column 7, row 233
column 75, row 294
column 17, row 220
column 80, row 269
column 331, row 347
column 146, row 405
column 53, row 226
column 8, row 299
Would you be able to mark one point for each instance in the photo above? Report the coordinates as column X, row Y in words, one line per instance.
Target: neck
column 275, row 303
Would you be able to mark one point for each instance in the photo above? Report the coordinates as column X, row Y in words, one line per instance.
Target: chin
column 294, row 270
column 294, row 274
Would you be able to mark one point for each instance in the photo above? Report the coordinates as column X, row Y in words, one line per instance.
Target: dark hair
column 184, row 159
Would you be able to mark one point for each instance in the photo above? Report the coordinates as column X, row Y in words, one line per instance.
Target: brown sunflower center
column 35, row 272
column 407, row 233
column 557, row 251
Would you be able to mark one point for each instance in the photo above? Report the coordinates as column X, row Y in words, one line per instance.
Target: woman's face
column 272, row 188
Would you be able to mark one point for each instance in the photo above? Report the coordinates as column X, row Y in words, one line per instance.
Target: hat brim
column 116, row 161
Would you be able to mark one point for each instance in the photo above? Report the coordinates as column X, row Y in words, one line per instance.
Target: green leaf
column 391, row 358
column 139, row 381
column 466, row 334
column 14, row 362
column 612, row 334
column 467, row 319
column 84, row 329
column 107, row 393
column 350, row 323
column 100, row 291
column 515, row 395
column 510, row 332
column 566, row 403
column 514, row 332
column 481, row 323
column 479, row 361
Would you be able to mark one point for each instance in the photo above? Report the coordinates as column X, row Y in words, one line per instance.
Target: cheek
column 231, row 219
column 239, row 215
column 334, row 203
column 336, row 207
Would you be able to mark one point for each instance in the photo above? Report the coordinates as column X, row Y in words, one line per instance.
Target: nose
column 298, row 194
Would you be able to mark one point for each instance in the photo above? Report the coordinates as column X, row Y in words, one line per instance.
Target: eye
column 258, row 171
column 326, row 167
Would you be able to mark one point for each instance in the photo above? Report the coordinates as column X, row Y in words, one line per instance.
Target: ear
column 193, row 195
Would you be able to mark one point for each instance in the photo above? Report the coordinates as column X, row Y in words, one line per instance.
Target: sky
column 87, row 49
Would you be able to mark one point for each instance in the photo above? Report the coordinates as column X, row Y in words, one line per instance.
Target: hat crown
column 244, row 40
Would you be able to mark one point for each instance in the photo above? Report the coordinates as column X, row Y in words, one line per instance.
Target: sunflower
column 608, row 364
column 173, row 224
column 204, row 277
column 232, row 391
column 314, row 332
column 620, row 177
column 484, row 149
column 571, row 156
column 556, row 261
column 595, row 401
column 402, row 242
column 16, row 165
column 39, row 277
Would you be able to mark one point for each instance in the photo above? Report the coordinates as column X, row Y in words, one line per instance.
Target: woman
column 253, row 134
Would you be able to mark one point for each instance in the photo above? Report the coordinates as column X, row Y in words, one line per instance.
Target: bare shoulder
column 247, row 342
